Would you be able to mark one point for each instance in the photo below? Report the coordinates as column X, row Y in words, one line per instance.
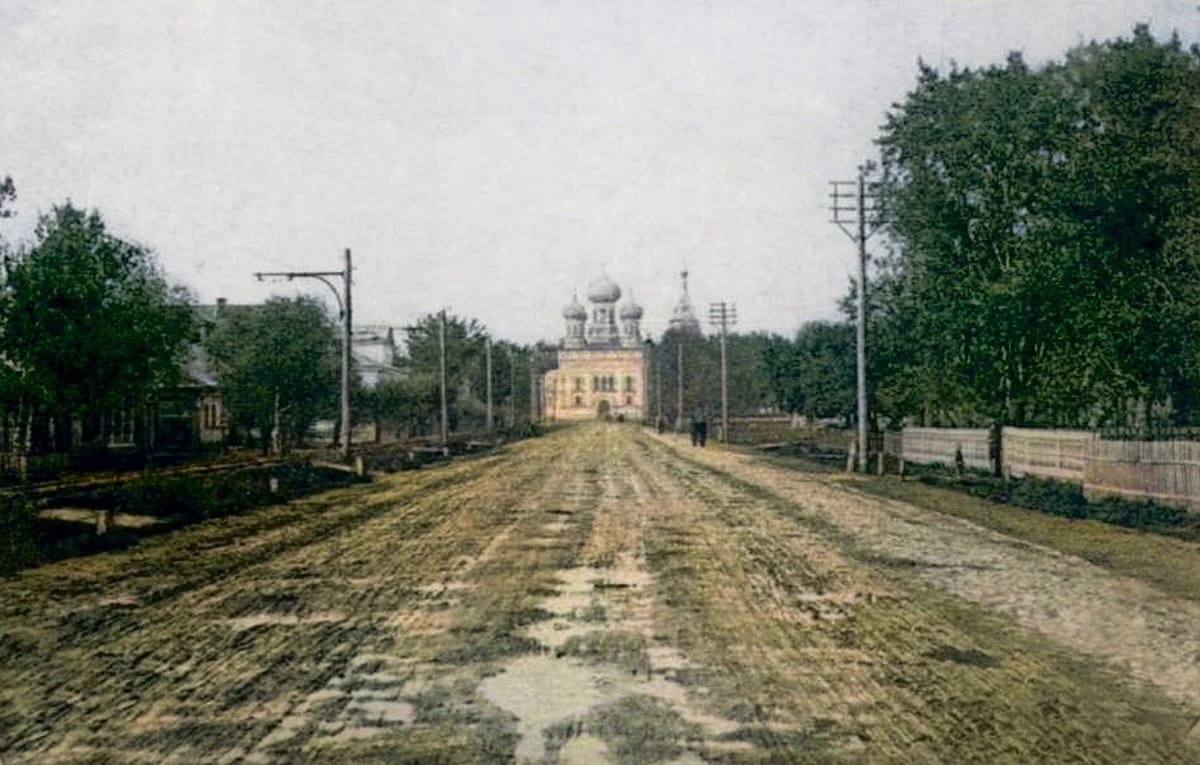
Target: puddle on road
column 282, row 620
column 551, row 689
column 542, row 690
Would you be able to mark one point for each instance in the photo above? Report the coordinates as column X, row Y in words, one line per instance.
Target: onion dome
column 574, row 310
column 631, row 310
column 603, row 290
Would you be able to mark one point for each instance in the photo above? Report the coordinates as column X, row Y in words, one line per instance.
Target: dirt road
column 596, row 595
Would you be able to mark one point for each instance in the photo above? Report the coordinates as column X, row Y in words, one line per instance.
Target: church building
column 601, row 370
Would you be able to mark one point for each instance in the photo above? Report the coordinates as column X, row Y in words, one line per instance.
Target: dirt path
column 1152, row 635
column 591, row 596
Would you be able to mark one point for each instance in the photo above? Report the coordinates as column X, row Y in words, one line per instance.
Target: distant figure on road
column 699, row 428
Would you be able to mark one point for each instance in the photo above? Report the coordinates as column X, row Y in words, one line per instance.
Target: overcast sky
column 491, row 156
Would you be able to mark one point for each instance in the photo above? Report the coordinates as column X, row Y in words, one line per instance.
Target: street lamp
column 343, row 301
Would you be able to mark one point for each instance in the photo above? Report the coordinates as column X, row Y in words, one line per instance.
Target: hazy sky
column 490, row 156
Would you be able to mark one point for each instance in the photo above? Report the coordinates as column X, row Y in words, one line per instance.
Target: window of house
column 579, row 401
column 628, row 382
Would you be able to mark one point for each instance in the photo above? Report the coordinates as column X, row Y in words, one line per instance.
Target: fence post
column 879, row 465
column 851, row 455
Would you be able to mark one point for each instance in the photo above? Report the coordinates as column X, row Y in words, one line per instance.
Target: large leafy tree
column 1043, row 255
column 279, row 360
column 90, row 322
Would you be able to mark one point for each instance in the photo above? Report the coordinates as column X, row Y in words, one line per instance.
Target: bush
column 1053, row 497
column 1065, row 500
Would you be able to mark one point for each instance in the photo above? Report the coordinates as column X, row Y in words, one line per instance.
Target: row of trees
column 1042, row 263
column 750, row 384
column 1044, row 254
column 92, row 331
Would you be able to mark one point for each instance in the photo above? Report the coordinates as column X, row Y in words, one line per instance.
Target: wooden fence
column 1164, row 471
column 1057, row 454
column 929, row 446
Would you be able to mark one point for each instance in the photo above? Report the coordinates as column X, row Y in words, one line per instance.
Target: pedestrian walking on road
column 702, row 430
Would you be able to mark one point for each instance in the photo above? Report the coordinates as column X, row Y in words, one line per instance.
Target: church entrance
column 603, row 410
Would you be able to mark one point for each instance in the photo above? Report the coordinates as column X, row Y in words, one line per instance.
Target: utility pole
column 344, row 310
column 722, row 315
column 658, row 386
column 679, row 383
column 512, row 388
column 532, row 388
column 650, row 358
column 859, row 222
column 488, row 356
column 442, row 374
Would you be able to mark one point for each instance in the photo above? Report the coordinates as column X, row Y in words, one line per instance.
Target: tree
column 465, row 379
column 1043, row 262
column 90, row 324
column 278, row 365
column 814, row 373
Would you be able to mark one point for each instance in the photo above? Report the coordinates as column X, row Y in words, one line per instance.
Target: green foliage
column 416, row 403
column 89, row 321
column 815, row 373
column 286, row 352
column 464, row 341
column 750, row 383
column 1067, row 500
column 1045, row 257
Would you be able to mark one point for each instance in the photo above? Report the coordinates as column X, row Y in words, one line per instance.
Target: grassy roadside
column 1172, row 565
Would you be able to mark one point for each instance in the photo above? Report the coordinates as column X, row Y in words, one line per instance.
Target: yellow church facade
column 597, row 384
column 602, row 361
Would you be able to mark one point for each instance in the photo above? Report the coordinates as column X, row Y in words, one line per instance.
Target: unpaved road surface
column 600, row 594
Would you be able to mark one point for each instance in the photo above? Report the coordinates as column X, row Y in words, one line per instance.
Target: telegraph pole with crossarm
column 723, row 315
column 857, row 212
